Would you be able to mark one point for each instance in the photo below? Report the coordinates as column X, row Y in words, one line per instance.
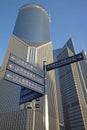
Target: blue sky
column 68, row 18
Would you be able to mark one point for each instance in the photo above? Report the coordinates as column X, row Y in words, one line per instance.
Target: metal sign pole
column 46, row 112
column 34, row 109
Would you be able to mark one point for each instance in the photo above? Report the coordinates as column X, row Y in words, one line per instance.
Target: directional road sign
column 26, row 75
column 64, row 62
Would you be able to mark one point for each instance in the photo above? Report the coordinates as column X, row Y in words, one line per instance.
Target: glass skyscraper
column 72, row 92
column 31, row 42
column 83, row 66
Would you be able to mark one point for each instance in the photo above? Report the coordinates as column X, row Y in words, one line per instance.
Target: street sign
column 28, row 95
column 22, row 81
column 24, row 74
column 25, row 64
column 64, row 62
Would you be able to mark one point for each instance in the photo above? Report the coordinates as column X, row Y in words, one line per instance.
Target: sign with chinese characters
column 27, row 95
column 25, row 72
column 65, row 61
column 25, row 64
column 17, row 79
column 29, row 77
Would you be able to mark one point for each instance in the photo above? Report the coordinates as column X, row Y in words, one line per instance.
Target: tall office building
column 31, row 42
column 71, row 85
column 83, row 66
column 60, row 107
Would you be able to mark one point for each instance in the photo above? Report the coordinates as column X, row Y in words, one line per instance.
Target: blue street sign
column 28, row 95
column 64, row 62
column 22, row 81
column 25, row 64
column 24, row 74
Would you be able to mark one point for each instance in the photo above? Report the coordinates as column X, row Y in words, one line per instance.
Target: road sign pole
column 46, row 112
column 34, row 109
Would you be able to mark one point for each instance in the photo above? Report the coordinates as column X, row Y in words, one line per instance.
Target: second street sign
column 25, row 72
column 17, row 79
column 64, row 62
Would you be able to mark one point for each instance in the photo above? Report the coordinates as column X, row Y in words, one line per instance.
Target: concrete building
column 31, row 42
column 71, row 85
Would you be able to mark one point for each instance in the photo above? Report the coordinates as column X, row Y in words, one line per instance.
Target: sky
column 68, row 19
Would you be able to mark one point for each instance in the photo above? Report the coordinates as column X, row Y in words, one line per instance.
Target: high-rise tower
column 83, row 66
column 32, row 24
column 71, row 85
column 31, row 42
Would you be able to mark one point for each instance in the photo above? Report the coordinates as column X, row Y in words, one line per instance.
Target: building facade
column 83, row 66
column 71, row 85
column 31, row 42
column 59, row 97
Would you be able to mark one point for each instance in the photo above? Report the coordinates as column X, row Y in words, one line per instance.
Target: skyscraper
column 83, row 69
column 31, row 42
column 71, row 85
column 60, row 106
